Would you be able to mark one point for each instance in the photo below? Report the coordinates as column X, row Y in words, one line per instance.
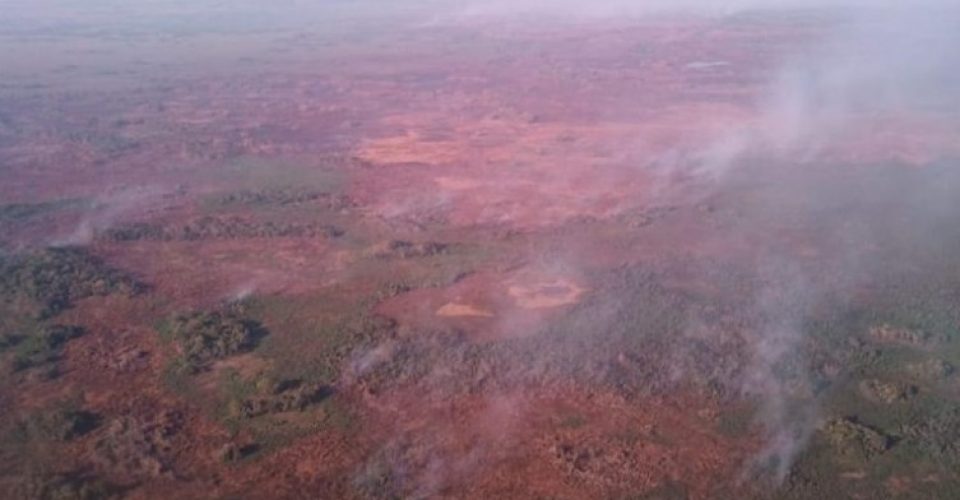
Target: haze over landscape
column 462, row 249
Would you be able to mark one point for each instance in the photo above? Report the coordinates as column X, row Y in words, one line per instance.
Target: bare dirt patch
column 486, row 305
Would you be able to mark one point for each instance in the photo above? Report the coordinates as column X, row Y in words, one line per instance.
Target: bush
column 43, row 346
column 290, row 395
column 55, row 278
column 65, row 487
column 207, row 336
column 136, row 232
column 285, row 196
column 405, row 249
column 61, row 424
column 887, row 392
column 22, row 212
column 219, row 228
column 8, row 340
column 855, row 440
column 232, row 452
column 937, row 435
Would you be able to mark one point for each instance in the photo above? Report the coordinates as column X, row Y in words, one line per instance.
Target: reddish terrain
column 479, row 187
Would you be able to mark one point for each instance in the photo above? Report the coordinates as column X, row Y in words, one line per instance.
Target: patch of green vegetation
column 573, row 421
column 669, row 490
column 411, row 265
column 16, row 212
column 176, row 376
column 338, row 416
column 382, row 477
column 887, row 392
column 736, row 422
column 43, row 345
column 247, row 401
column 320, row 333
column 273, row 432
column 282, row 197
column 109, row 144
column 849, row 458
column 234, row 387
column 220, row 228
column 54, row 278
column 937, row 434
column 8, row 340
column 255, row 173
column 207, row 336
column 403, row 249
column 931, row 369
column 855, row 440
column 76, row 486
column 232, row 452
column 137, row 231
column 63, row 423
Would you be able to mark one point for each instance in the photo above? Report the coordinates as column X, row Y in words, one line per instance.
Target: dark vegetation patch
column 219, row 228
column 286, row 197
column 8, row 340
column 108, row 144
column 626, row 338
column 63, row 423
column 853, row 439
column 737, row 420
column 931, row 369
column 440, row 362
column 273, row 412
column 284, row 396
column 32, row 450
column 886, row 364
column 273, row 431
column 71, row 486
column 669, row 490
column 206, row 336
column 320, row 333
column 899, row 335
column 887, row 392
column 54, row 278
column 286, row 391
column 233, row 452
column 392, row 471
column 20, row 212
column 139, row 447
column 41, row 346
column 406, row 249
column 630, row 335
column 936, row 434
